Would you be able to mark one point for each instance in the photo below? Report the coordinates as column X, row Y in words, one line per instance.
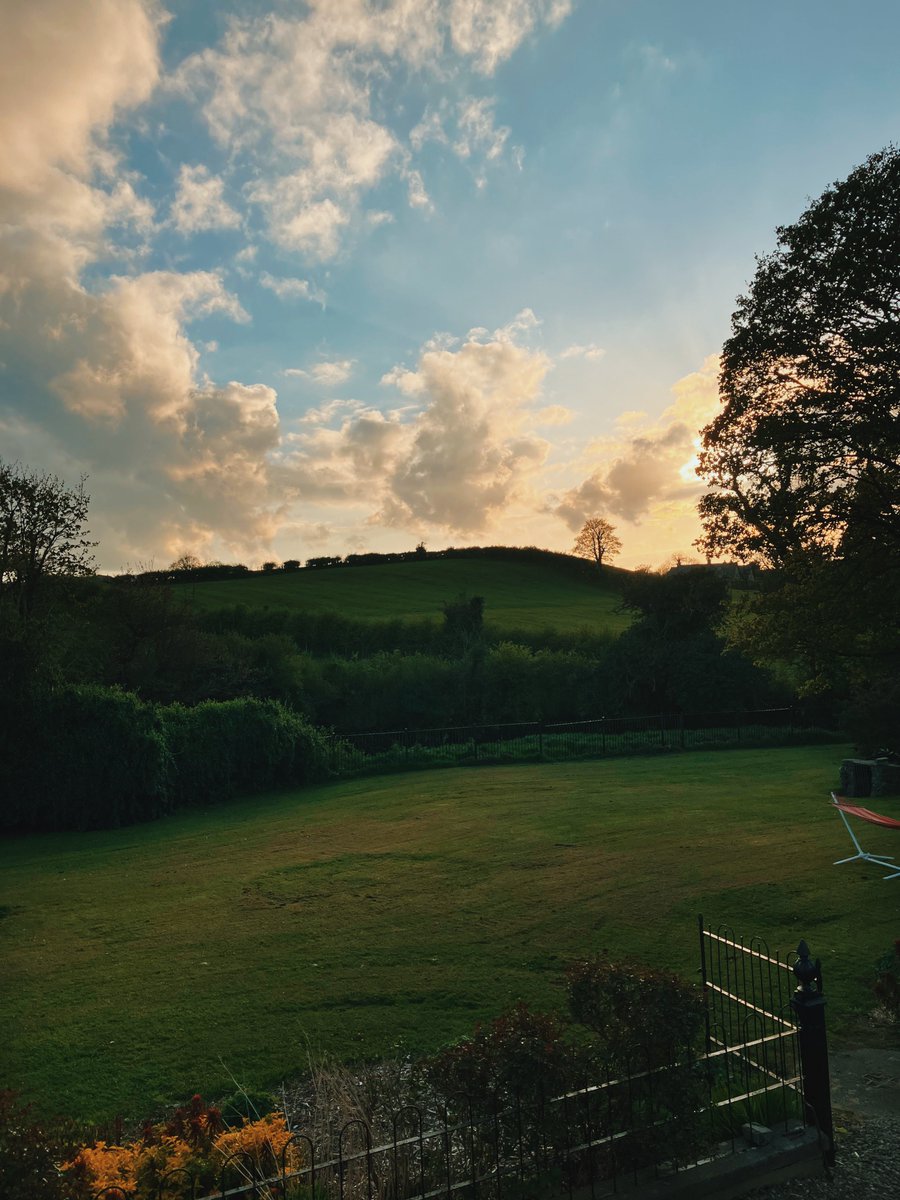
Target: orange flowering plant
column 191, row 1153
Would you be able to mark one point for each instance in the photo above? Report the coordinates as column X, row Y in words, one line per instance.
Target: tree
column 803, row 460
column 805, row 453
column 42, row 532
column 186, row 562
column 597, row 540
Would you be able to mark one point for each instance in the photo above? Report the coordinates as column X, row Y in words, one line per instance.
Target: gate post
column 808, row 1003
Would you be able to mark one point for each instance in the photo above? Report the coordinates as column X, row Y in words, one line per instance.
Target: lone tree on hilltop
column 597, row 540
column 42, row 532
column 803, row 460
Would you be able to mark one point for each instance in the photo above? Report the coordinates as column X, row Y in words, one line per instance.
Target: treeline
column 209, row 572
column 121, row 704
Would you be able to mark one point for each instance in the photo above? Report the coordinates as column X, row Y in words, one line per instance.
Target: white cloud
column 491, row 30
column 418, row 197
column 326, row 373
column 292, row 289
column 457, row 460
column 330, row 411
column 297, row 97
column 590, row 351
column 554, row 414
column 200, row 203
column 641, row 473
column 477, row 130
column 65, row 71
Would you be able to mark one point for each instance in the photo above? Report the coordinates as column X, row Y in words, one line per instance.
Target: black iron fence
column 537, row 741
column 642, row 1116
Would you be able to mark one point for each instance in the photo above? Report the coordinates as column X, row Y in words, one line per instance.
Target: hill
column 524, row 595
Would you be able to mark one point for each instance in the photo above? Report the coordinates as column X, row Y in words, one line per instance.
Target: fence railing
column 643, row 1115
column 539, row 741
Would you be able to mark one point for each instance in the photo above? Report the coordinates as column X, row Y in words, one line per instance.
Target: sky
column 287, row 279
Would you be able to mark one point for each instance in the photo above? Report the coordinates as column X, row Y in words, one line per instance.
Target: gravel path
column 867, row 1168
column 866, row 1098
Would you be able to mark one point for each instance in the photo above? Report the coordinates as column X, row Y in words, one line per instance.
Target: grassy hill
column 143, row 964
column 522, row 595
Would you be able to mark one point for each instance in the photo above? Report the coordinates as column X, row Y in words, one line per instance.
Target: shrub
column 634, row 1009
column 887, row 985
column 188, row 1155
column 95, row 757
column 220, row 749
column 27, row 1154
column 521, row 1052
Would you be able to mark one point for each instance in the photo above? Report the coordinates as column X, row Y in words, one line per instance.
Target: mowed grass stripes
column 531, row 596
column 392, row 913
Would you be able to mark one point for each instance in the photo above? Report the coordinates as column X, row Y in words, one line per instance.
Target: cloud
column 643, row 470
column 290, row 289
column 327, row 374
column 457, row 460
column 65, row 71
column 174, row 459
column 489, row 31
column 477, row 130
column 297, row 100
column 200, row 203
column 418, row 197
column 590, row 351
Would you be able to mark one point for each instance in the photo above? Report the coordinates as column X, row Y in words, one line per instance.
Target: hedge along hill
column 551, row 591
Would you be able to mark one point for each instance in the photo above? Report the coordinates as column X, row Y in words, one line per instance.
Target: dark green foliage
column 887, row 983
column 647, row 1020
column 86, row 757
column 463, row 622
column 673, row 659
column 521, row 1052
column 803, row 460
column 29, row 1152
column 220, row 749
column 635, row 1010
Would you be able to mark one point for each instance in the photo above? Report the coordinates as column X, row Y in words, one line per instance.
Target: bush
column 89, row 757
column 28, row 1153
column 93, row 757
column 887, row 985
column 521, row 1052
column 220, row 749
column 635, row 1009
column 186, row 1156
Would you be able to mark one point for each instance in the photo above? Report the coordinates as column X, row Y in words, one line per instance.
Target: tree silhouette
column 805, row 453
column 803, row 460
column 597, row 540
column 42, row 532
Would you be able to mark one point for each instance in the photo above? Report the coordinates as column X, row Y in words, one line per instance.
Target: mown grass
column 528, row 596
column 147, row 963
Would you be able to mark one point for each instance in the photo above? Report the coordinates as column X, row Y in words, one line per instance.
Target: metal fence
column 354, row 753
column 650, row 1115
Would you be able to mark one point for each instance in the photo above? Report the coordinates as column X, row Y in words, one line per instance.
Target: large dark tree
column 805, row 453
column 803, row 460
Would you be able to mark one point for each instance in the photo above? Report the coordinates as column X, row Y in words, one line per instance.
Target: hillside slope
column 523, row 595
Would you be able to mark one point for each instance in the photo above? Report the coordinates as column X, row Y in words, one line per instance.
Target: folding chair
column 874, row 818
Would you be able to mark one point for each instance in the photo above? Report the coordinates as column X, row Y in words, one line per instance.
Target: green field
column 521, row 595
column 143, row 964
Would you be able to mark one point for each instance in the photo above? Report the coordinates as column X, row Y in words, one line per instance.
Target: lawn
column 521, row 595
column 357, row 918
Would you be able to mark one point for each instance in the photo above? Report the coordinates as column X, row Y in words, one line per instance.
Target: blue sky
column 287, row 279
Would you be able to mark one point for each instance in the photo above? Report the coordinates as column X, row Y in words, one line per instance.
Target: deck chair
column 874, row 818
